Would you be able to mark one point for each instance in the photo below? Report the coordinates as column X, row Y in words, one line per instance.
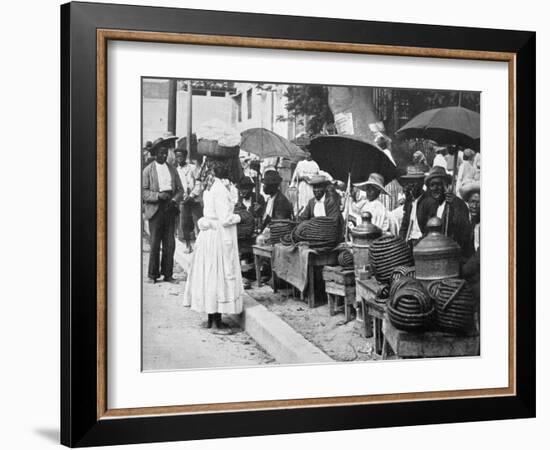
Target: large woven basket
column 211, row 148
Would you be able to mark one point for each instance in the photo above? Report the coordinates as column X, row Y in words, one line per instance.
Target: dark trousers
column 162, row 227
column 190, row 213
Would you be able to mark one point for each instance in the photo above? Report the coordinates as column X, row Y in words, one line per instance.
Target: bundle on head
column 280, row 229
column 410, row 307
column 455, row 305
column 318, row 232
column 345, row 258
column 387, row 253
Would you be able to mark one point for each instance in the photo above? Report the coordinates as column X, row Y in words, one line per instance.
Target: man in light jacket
column 161, row 192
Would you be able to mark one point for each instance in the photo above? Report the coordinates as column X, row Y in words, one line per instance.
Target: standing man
column 453, row 212
column 161, row 192
column 190, row 208
column 413, row 186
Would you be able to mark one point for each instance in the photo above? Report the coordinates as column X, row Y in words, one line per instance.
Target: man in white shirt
column 161, row 192
column 412, row 183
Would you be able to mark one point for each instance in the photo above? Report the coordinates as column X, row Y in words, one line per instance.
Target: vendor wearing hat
column 278, row 207
column 321, row 205
column 470, row 194
column 161, row 192
column 413, row 187
column 254, row 202
column 440, row 202
column 374, row 187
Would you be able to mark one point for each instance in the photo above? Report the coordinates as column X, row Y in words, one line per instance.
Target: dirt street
column 173, row 337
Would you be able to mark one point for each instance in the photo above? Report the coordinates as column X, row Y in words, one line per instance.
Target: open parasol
column 341, row 155
column 453, row 125
column 267, row 144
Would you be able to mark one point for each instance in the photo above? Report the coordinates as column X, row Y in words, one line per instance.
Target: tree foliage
column 311, row 102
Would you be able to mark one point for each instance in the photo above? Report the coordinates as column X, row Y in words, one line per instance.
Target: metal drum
column 436, row 256
column 363, row 235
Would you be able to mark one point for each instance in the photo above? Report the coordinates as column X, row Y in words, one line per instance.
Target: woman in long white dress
column 214, row 283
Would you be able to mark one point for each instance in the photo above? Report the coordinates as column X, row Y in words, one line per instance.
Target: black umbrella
column 453, row 125
column 340, row 155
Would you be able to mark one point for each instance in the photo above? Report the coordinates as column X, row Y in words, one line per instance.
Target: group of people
column 188, row 199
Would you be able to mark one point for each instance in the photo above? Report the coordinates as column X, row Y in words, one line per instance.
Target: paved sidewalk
column 173, row 338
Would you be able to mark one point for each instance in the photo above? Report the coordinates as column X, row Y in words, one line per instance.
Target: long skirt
column 214, row 282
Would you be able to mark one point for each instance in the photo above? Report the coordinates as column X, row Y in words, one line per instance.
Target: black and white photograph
column 288, row 223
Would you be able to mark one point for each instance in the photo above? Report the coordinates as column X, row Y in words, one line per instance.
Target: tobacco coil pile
column 387, row 253
column 400, row 272
column 455, row 305
column 410, row 307
column 279, row 229
column 345, row 259
column 317, row 232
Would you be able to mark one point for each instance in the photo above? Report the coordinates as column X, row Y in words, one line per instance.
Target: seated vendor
column 278, row 207
column 374, row 187
column 323, row 203
column 254, row 202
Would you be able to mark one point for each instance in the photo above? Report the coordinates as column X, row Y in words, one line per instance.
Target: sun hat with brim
column 319, row 180
column 413, row 173
column 376, row 180
column 159, row 143
column 272, row 177
column 437, row 172
column 246, row 182
column 468, row 190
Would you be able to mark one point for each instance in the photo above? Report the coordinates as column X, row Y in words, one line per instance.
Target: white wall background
column 29, row 288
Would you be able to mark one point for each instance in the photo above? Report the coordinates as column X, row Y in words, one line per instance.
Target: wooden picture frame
column 85, row 417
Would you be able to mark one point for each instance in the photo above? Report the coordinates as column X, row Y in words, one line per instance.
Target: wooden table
column 259, row 252
column 430, row 344
column 314, row 293
column 373, row 312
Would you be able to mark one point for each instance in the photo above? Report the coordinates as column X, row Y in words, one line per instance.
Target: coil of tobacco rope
column 345, row 258
column 400, row 272
column 387, row 253
column 410, row 307
column 318, row 232
column 279, row 229
column 455, row 305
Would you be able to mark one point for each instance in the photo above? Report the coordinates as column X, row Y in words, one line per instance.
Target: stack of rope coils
column 400, row 272
column 387, row 253
column 278, row 229
column 245, row 228
column 410, row 307
column 455, row 305
column 318, row 232
column 345, row 258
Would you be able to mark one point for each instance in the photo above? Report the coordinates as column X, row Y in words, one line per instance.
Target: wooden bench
column 430, row 344
column 340, row 289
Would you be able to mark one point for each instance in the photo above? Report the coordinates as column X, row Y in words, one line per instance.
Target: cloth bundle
column 317, row 232
column 455, row 305
column 410, row 307
column 387, row 253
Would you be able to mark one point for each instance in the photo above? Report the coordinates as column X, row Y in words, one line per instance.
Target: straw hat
column 468, row 190
column 376, row 180
column 414, row 172
column 319, row 180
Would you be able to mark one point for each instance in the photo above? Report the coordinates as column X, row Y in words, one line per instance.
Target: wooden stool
column 340, row 289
